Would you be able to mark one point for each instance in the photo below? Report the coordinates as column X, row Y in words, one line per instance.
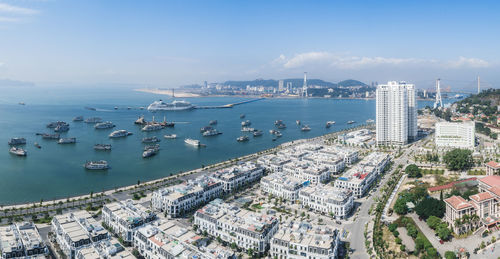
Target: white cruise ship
column 119, row 134
column 193, row 142
column 173, row 106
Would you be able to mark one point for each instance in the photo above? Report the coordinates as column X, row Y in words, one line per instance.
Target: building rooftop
column 493, row 165
column 458, row 202
column 492, row 180
column 306, row 234
column 481, row 196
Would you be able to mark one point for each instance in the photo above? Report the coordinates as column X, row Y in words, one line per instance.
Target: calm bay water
column 56, row 171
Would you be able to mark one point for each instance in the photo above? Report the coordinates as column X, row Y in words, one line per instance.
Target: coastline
column 183, row 94
column 162, row 181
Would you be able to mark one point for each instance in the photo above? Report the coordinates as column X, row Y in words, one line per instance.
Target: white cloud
column 355, row 62
column 8, row 19
column 468, row 62
column 6, row 8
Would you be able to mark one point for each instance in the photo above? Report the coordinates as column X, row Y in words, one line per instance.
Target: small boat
column 212, row 132
column 306, row 128
column 104, row 125
column 62, row 128
column 119, row 134
column 128, row 108
column 50, row 136
column 278, row 134
column 297, row 122
column 96, row 165
column 206, row 128
column 66, row 141
column 150, row 151
column 370, row 121
column 17, row 141
column 257, row 133
column 105, row 147
column 93, row 120
column 152, row 127
column 22, row 103
column 192, row 142
column 278, row 122
column 242, row 138
column 78, row 118
column 242, row 116
column 281, row 126
column 54, row 125
column 350, row 122
column 116, row 108
column 18, row 151
column 140, row 120
column 154, row 146
column 170, row 136
column 37, row 145
column 212, row 122
column 329, row 124
column 141, row 108
column 246, row 123
column 274, row 139
column 247, row 129
column 153, row 139
column 90, row 108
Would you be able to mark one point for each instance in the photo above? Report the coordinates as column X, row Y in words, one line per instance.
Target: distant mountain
column 296, row 82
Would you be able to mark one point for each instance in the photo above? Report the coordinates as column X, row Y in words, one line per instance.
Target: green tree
column 450, row 255
column 458, row 159
column 413, row 171
column 400, row 207
column 430, row 207
column 433, row 222
column 443, row 232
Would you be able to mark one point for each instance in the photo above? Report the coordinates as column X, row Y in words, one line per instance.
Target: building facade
column 327, row 200
column 396, row 113
column 21, row 240
column 455, row 134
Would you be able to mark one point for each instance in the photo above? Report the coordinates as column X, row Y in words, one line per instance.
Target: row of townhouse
column 302, row 240
column 167, row 240
column 104, row 250
column 483, row 206
column 282, row 185
column 360, row 177
column 235, row 177
column 77, row 230
column 247, row 229
column 306, row 171
column 328, row 200
column 176, row 200
column 21, row 240
column 123, row 218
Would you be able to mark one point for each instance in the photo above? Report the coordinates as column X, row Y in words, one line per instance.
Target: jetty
column 229, row 105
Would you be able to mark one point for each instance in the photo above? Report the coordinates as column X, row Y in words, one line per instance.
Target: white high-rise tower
column 304, row 87
column 439, row 101
column 396, row 110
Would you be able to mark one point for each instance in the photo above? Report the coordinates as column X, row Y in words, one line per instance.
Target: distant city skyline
column 170, row 43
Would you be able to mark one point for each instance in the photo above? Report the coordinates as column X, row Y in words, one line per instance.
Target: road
column 357, row 228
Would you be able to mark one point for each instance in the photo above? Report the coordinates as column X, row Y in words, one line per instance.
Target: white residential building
column 169, row 240
column 302, row 240
column 104, row 250
column 21, row 240
column 282, row 185
column 396, row 113
column 247, row 229
column 272, row 163
column 176, row 200
column 455, row 134
column 237, row 176
column 307, row 171
column 328, row 200
column 77, row 230
column 359, row 178
column 125, row 217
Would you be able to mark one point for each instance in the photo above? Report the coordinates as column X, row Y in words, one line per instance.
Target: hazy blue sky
column 170, row 43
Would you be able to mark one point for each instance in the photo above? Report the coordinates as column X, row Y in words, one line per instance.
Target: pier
column 229, row 105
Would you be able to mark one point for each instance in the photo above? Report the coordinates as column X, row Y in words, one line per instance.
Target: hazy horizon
column 169, row 43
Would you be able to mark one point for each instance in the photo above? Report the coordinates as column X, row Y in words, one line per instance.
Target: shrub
column 450, row 255
column 430, row 207
column 398, row 240
column 413, row 171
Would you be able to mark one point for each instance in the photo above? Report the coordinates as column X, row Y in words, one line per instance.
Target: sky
column 172, row 43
